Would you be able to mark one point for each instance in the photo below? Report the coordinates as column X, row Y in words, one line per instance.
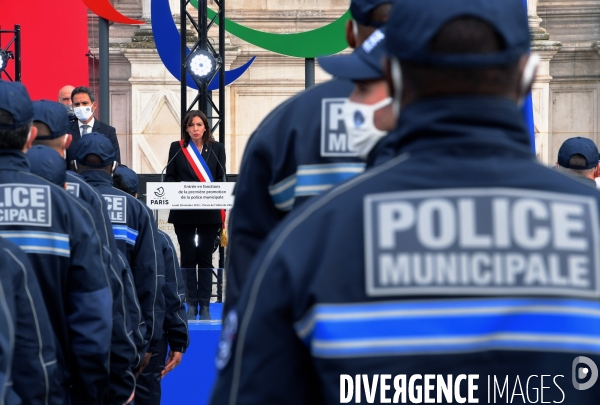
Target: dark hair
column 83, row 89
column 380, row 14
column 463, row 35
column 207, row 138
column 578, row 160
column 12, row 138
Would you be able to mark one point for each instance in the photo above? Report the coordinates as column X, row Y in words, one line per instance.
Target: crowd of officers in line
column 91, row 293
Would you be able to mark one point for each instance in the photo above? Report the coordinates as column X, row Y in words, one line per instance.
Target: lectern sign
column 189, row 195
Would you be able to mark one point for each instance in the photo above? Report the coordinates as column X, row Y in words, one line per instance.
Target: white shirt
column 91, row 124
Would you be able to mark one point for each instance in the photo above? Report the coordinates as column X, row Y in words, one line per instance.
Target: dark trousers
column 148, row 390
column 197, row 289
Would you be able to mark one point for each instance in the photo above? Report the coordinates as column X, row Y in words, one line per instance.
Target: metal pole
column 17, row 53
column 309, row 72
column 222, row 75
column 203, row 38
column 183, row 48
column 104, row 71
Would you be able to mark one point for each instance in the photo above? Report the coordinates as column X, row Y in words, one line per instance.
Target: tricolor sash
column 199, row 166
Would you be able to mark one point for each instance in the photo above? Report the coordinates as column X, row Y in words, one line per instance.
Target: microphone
column 162, row 177
column 222, row 168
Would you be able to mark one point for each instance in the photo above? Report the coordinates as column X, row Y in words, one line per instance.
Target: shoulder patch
column 228, row 335
column 25, row 204
column 481, row 242
column 73, row 189
column 334, row 137
column 117, row 208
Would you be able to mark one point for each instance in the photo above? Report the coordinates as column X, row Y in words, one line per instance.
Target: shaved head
column 64, row 95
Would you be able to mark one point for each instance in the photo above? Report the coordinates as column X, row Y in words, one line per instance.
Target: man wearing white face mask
column 84, row 106
column 368, row 113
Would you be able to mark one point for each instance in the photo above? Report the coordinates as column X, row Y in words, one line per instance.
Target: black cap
column 47, row 163
column 362, row 64
column 95, row 143
column 361, row 10
column 16, row 101
column 52, row 114
column 413, row 24
column 578, row 146
column 130, row 178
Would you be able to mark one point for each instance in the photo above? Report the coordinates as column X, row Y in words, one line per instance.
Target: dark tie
column 85, row 129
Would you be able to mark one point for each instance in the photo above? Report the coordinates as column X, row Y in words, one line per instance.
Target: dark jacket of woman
column 179, row 169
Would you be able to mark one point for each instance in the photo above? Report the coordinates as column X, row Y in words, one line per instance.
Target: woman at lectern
column 197, row 157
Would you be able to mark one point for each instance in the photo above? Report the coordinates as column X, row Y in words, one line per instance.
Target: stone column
column 546, row 49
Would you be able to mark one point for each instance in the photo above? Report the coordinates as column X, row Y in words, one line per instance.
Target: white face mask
column 360, row 125
column 83, row 113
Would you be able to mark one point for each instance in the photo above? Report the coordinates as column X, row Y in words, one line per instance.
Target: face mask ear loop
column 355, row 30
column 114, row 166
column 75, row 166
column 528, row 76
column 397, row 83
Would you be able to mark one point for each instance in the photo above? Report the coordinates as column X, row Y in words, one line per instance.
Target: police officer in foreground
column 24, row 325
column 579, row 157
column 57, row 233
column 47, row 163
column 457, row 260
column 134, row 230
column 175, row 328
column 299, row 150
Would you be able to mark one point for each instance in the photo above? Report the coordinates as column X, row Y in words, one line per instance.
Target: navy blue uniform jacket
column 136, row 236
column 459, row 255
column 123, row 350
column 175, row 325
column 58, row 234
column 300, row 150
column 34, row 371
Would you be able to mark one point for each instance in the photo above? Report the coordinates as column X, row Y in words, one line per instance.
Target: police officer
column 46, row 158
column 32, row 367
column 579, row 157
column 368, row 114
column 300, row 150
column 457, row 260
column 175, row 328
column 57, row 233
column 134, row 230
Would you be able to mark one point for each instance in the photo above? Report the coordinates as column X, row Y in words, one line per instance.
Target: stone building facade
column 145, row 101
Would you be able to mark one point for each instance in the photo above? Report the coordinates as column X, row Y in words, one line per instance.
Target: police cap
column 362, row 64
column 54, row 115
column 578, row 146
column 47, row 163
column 413, row 24
column 16, row 101
column 95, row 143
column 130, row 178
column 361, row 10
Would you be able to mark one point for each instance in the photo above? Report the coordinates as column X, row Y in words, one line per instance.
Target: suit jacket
column 179, row 169
column 101, row 127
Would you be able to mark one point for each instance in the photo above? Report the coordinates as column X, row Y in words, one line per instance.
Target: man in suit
column 84, row 106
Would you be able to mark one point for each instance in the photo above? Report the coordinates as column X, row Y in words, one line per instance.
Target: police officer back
column 57, row 233
column 579, row 157
column 300, row 150
column 134, row 231
column 46, row 158
column 30, row 371
column 457, row 265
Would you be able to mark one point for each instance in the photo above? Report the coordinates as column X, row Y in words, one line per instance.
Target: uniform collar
column 467, row 121
column 12, row 159
column 97, row 178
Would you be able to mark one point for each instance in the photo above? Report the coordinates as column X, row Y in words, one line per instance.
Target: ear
column 350, row 38
column 68, row 140
column 387, row 72
column 32, row 135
